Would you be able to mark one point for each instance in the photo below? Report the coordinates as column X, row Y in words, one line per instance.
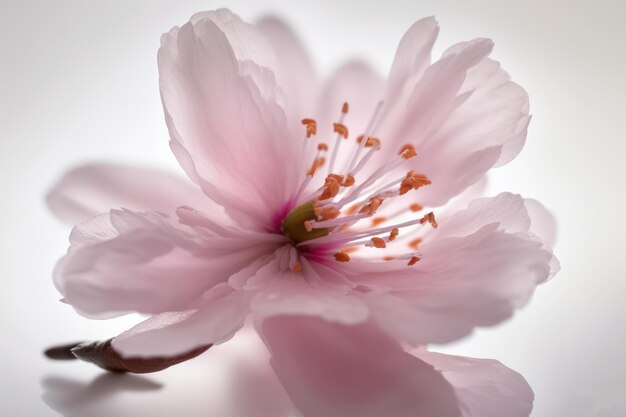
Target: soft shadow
column 73, row 398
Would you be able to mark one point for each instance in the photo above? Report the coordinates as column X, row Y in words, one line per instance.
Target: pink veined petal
column 476, row 270
column 93, row 189
column 330, row 370
column 146, row 262
column 221, row 314
column 294, row 69
column 226, row 126
column 484, row 388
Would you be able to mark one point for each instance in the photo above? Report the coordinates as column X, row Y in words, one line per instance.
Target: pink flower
column 325, row 245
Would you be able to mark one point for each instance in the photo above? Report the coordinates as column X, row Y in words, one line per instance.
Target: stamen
column 379, row 243
column 371, row 207
column 370, row 126
column 394, row 234
column 378, row 220
column 338, row 221
column 331, row 187
column 416, row 207
column 341, row 130
column 429, row 218
column 349, row 181
column 342, row 257
column 297, row 266
column 311, row 127
column 333, row 157
column 413, row 260
column 317, row 162
column 407, row 151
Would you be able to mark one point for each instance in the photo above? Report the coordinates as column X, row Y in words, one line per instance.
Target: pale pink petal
column 146, row 262
column 476, row 269
column 543, row 223
column 292, row 297
column 359, row 85
column 226, row 126
column 93, row 189
column 484, row 388
column 411, row 60
column 220, row 314
column 294, row 69
column 330, row 370
column 463, row 106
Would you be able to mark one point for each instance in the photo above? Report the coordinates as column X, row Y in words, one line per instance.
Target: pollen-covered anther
column 415, row 207
column 345, row 108
column 348, row 181
column 379, row 242
column 342, row 257
column 311, row 127
column 328, row 213
column 322, row 147
column 297, row 266
column 413, row 260
column 331, row 187
column 394, row 234
column 308, row 225
column 407, row 151
column 370, row 142
column 415, row 243
column 429, row 218
column 371, row 207
column 340, row 129
column 413, row 181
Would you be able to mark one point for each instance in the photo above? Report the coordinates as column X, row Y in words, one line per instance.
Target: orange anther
column 388, row 258
column 308, row 225
column 340, row 129
column 429, row 218
column 415, row 207
column 297, row 266
column 349, row 181
column 415, row 243
column 345, row 107
column 413, row 181
column 350, row 249
column 311, row 127
column 413, row 260
column 329, row 213
column 336, row 177
column 371, row 207
column 322, row 147
column 379, row 243
column 407, row 151
column 342, row 257
column 371, row 141
column 393, row 234
column 331, row 188
column 378, row 220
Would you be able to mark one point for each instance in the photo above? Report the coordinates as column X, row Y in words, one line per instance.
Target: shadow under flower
column 73, row 398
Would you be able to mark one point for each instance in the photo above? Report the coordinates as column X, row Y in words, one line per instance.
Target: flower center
column 327, row 221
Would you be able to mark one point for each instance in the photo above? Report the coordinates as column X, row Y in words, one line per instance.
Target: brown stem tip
column 103, row 355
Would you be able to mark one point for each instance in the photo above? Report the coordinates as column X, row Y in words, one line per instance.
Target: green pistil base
column 293, row 225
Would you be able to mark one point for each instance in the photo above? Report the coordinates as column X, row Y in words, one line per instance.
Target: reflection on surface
column 71, row 397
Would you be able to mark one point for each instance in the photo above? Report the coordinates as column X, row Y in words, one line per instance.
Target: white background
column 78, row 82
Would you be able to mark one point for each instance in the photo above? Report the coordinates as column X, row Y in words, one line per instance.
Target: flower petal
column 463, row 106
column 331, row 370
column 294, row 70
column 226, row 126
column 476, row 270
column 146, row 262
column 93, row 189
column 411, row 59
column 221, row 314
column 484, row 388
